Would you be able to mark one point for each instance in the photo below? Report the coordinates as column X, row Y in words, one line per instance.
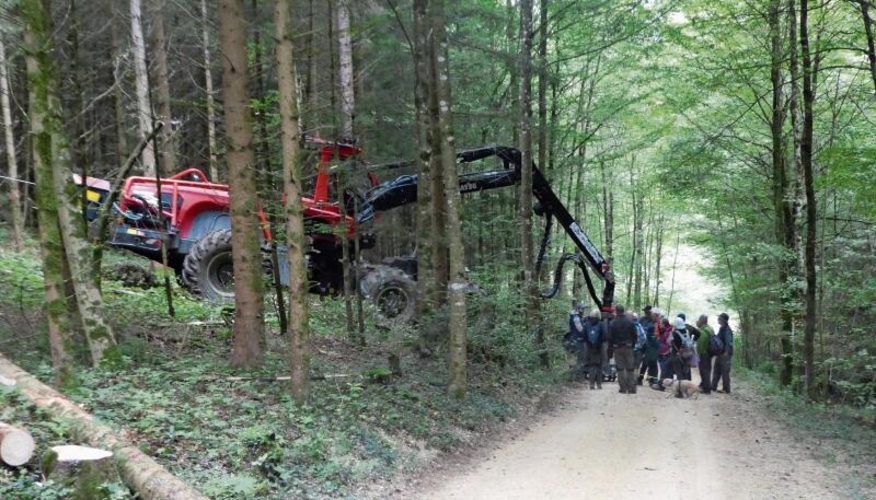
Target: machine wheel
column 392, row 292
column 208, row 269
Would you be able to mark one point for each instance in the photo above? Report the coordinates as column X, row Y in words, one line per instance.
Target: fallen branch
column 285, row 378
column 139, row 471
column 16, row 445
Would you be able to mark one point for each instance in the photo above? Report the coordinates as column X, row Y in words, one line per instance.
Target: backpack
column 593, row 334
column 640, row 340
column 716, row 345
column 686, row 350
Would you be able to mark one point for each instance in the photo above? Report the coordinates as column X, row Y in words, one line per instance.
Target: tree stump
column 81, row 470
column 16, row 445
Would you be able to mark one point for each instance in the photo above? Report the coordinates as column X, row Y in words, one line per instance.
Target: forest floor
column 602, row 444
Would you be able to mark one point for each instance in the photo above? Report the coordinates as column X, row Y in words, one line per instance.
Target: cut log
column 16, row 445
column 139, row 471
column 81, row 470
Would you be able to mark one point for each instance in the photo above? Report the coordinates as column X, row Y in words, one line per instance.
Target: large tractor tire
column 208, row 268
column 392, row 292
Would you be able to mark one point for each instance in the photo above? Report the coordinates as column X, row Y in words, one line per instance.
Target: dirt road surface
column 606, row 445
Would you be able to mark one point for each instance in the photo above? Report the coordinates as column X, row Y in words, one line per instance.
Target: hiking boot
column 633, row 390
column 679, row 396
column 622, row 391
column 592, row 386
column 599, row 387
column 640, row 382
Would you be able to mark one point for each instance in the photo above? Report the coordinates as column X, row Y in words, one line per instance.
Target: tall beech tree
column 457, row 343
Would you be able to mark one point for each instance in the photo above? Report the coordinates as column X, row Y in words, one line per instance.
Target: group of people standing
column 654, row 345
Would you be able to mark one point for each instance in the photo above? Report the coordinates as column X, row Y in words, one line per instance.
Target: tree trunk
column 426, row 271
column 14, row 192
column 780, row 181
column 864, row 5
column 543, row 86
column 457, row 386
column 608, row 217
column 141, row 81
column 80, row 470
column 296, row 240
column 208, row 85
column 162, row 88
column 138, row 471
column 811, row 213
column 247, row 258
column 528, row 255
column 16, row 445
column 52, row 153
column 440, row 242
column 117, row 53
column 345, row 57
column 659, row 257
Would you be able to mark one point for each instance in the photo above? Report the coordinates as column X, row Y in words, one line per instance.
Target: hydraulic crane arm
column 403, row 191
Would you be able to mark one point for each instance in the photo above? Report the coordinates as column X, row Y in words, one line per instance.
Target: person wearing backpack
column 682, row 350
column 705, row 352
column 725, row 358
column 593, row 343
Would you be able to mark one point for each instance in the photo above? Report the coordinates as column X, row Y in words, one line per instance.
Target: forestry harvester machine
column 191, row 215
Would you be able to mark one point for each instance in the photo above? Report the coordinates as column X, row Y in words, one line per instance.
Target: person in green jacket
column 706, row 333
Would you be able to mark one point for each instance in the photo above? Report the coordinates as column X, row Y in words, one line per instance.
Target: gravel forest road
column 606, row 445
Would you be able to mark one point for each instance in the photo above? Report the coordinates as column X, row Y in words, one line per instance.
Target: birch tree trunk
column 208, row 86
column 794, row 202
column 345, row 56
column 162, row 88
column 12, row 171
column 295, row 237
column 246, row 254
column 52, row 152
column 457, row 386
column 141, row 84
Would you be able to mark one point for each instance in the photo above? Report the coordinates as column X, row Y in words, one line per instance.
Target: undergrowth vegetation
column 238, row 439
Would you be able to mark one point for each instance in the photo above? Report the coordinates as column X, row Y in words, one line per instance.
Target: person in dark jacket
column 594, row 342
column 722, row 361
column 622, row 335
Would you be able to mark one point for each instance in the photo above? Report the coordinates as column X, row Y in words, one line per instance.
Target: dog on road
column 686, row 388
